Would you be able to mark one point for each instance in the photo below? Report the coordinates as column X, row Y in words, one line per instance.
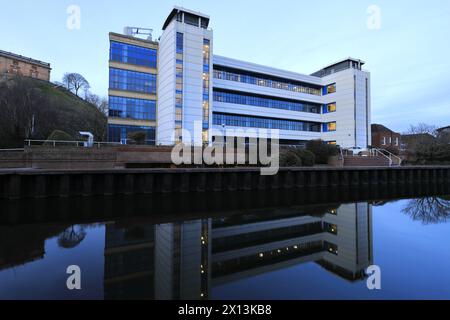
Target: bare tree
column 103, row 106
column 75, row 82
column 422, row 129
column 92, row 98
column 419, row 136
column 100, row 103
column 431, row 210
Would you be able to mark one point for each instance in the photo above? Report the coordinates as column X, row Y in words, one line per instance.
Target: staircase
column 370, row 158
column 360, row 161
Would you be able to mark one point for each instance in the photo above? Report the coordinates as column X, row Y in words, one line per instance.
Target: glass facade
column 264, row 80
column 121, row 107
column 266, row 102
column 179, row 87
column 131, row 54
column 206, row 87
column 120, row 133
column 266, row 123
column 132, row 81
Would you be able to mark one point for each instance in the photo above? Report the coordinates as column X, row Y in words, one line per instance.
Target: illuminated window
column 331, row 107
column 330, row 88
column 331, row 126
column 332, row 143
column 331, row 228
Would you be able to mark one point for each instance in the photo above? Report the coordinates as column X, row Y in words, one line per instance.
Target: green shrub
column 138, row 137
column 432, row 153
column 60, row 135
column 322, row 151
column 308, row 158
column 289, row 158
column 296, row 158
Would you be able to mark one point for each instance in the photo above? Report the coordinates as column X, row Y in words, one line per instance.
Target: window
column 132, row 81
column 329, row 127
column 332, row 143
column 180, row 45
column 329, row 108
column 120, row 133
column 206, row 85
column 266, row 123
column 330, row 247
column 179, row 87
column 262, row 80
column 332, row 107
column 331, row 228
column 396, row 141
column 331, row 88
column 384, row 141
column 131, row 54
column 141, row 109
column 264, row 101
column 191, row 19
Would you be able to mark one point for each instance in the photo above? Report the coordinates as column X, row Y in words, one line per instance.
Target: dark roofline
column 376, row 127
column 175, row 10
column 24, row 59
column 169, row 18
column 443, row 128
column 133, row 38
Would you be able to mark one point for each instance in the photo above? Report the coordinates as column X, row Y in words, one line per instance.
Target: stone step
column 358, row 161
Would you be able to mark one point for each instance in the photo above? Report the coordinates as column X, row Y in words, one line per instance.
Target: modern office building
column 12, row 64
column 208, row 95
column 132, row 87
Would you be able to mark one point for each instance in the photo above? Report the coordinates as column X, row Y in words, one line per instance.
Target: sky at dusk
column 408, row 56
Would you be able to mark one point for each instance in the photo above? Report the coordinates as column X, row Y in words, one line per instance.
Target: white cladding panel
column 166, row 87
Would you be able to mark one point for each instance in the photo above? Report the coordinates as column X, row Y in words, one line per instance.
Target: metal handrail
column 391, row 155
column 377, row 151
column 53, row 143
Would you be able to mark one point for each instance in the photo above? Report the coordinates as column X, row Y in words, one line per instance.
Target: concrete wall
column 47, row 183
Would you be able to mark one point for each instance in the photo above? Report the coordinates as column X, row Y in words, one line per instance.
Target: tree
column 32, row 109
column 430, row 210
column 100, row 103
column 422, row 128
column 24, row 112
column 74, row 82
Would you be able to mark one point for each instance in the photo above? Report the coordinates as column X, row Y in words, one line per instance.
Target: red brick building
column 13, row 64
column 385, row 138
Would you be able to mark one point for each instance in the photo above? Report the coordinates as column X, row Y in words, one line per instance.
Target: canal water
column 288, row 251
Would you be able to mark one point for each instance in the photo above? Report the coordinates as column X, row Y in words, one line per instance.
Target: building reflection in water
column 186, row 260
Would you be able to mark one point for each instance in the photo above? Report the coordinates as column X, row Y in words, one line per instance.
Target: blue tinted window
column 120, row 133
column 180, row 42
column 132, row 81
column 132, row 108
column 263, row 80
column 131, row 54
column 266, row 102
column 266, row 123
